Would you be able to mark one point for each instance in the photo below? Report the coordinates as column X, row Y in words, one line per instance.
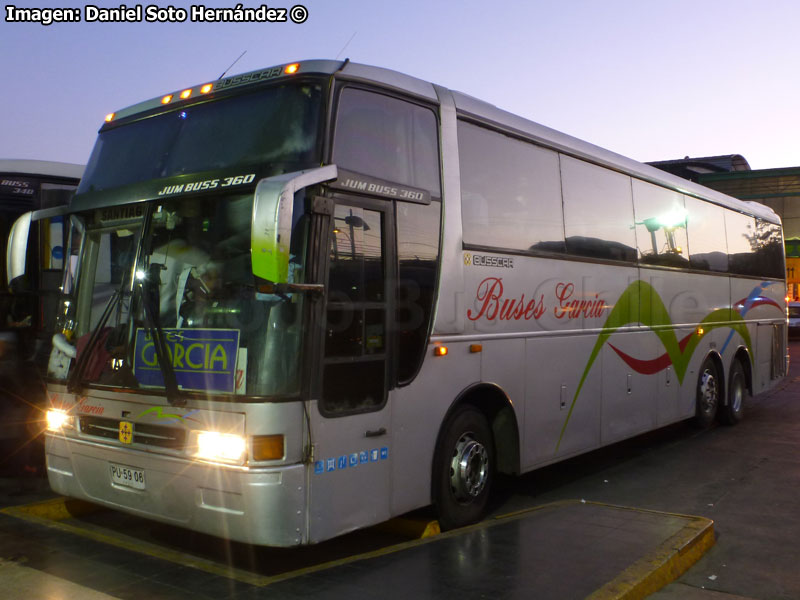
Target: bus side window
column 708, row 249
column 388, row 138
column 754, row 246
column 417, row 256
column 510, row 192
column 660, row 225
column 598, row 211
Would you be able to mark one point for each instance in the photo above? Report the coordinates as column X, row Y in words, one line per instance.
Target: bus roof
column 467, row 106
column 41, row 168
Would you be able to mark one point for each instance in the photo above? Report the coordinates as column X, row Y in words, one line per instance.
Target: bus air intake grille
column 172, row 438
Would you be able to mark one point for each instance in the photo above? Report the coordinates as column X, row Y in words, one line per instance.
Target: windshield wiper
column 151, row 300
column 76, row 376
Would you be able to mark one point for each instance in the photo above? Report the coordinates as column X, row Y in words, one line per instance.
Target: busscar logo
column 480, row 260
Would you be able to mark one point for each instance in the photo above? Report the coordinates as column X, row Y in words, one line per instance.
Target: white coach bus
column 308, row 298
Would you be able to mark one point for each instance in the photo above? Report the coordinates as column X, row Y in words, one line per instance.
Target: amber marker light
column 292, row 68
column 700, row 331
column 268, row 447
column 206, row 88
column 185, row 94
column 110, row 117
column 474, row 348
column 166, row 99
column 440, row 351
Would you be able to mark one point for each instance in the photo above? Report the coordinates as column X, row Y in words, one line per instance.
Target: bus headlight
column 57, row 420
column 226, row 447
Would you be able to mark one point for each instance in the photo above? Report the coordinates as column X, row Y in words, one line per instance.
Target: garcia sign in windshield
column 203, row 359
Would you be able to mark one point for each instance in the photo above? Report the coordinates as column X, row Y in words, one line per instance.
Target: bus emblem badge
column 125, row 432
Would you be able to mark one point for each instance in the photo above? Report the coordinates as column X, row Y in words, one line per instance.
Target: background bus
column 27, row 318
column 32, row 185
column 311, row 297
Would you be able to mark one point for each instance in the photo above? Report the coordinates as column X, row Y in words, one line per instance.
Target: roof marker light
column 185, row 94
column 206, row 88
column 110, row 117
column 166, row 99
column 292, row 68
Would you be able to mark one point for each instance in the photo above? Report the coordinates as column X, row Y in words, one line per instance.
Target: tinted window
column 754, row 246
column 660, row 225
column 708, row 250
column 598, row 211
column 387, row 138
column 769, row 260
column 418, row 250
column 741, row 237
column 355, row 330
column 510, row 192
column 356, row 271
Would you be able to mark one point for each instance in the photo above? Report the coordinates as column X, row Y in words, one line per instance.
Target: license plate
column 127, row 476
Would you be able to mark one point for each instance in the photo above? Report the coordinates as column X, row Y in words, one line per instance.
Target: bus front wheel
column 708, row 394
column 463, row 469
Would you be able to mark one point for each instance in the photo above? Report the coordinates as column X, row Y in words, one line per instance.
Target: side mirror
column 18, row 238
column 17, row 249
column 273, row 209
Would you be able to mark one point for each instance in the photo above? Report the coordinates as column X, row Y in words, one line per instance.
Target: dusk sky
column 650, row 80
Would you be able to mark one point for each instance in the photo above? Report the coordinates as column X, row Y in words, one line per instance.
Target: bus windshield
column 179, row 271
column 276, row 128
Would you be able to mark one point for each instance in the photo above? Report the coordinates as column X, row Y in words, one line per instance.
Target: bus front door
column 350, row 480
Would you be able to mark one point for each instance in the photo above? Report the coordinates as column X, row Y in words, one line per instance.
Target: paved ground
column 746, row 478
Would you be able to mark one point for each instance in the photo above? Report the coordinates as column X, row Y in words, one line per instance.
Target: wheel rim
column 708, row 392
column 469, row 469
column 737, row 394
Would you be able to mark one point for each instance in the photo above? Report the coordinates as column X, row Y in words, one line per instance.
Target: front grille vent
column 172, row 438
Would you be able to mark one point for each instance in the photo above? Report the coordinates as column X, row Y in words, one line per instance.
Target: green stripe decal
column 654, row 315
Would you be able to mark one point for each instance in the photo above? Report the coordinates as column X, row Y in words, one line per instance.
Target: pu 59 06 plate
column 127, row 476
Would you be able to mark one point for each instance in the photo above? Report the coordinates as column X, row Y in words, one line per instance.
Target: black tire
column 463, row 469
column 707, row 395
column 733, row 409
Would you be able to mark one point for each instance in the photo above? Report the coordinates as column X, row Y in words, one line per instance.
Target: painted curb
column 663, row 565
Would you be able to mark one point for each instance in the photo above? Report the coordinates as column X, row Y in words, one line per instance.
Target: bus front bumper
column 253, row 506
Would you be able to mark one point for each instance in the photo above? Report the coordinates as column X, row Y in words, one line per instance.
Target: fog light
column 57, row 419
column 212, row 445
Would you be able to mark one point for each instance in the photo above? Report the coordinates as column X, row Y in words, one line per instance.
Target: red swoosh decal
column 758, row 302
column 649, row 367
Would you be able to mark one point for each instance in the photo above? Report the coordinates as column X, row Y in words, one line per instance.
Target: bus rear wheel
column 731, row 412
column 708, row 394
column 463, row 469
